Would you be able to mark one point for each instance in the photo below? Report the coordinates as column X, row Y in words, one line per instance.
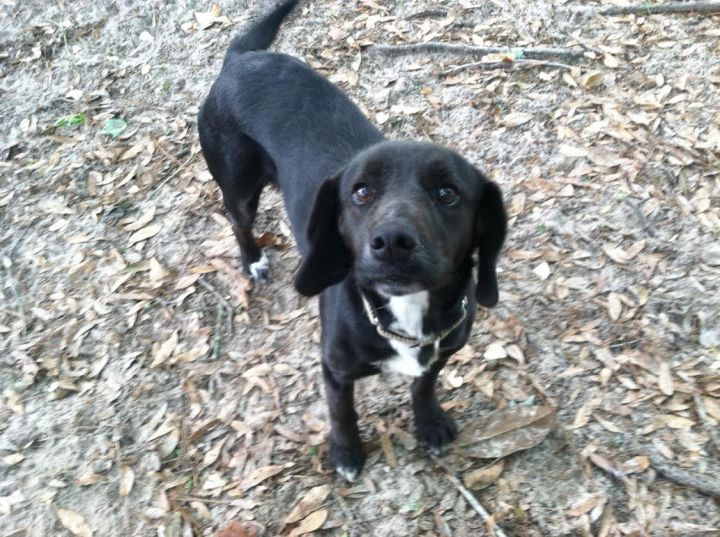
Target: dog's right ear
column 328, row 260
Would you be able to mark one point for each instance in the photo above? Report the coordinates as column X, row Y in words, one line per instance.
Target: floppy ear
column 490, row 230
column 328, row 260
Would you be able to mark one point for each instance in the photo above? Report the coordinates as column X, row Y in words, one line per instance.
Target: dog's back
column 284, row 113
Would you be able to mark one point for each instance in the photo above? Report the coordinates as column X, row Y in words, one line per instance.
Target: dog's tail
column 261, row 35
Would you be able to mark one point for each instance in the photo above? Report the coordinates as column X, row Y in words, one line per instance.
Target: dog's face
column 403, row 216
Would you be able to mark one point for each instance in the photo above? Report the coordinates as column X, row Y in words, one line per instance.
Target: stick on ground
column 531, row 53
column 671, row 7
column 471, row 499
column 709, row 427
column 515, row 64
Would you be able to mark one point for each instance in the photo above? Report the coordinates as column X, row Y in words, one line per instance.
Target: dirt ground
column 145, row 389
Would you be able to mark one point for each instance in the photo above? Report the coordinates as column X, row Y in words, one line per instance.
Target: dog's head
column 403, row 216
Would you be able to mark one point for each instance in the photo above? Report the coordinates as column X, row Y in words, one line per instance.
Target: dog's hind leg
column 242, row 169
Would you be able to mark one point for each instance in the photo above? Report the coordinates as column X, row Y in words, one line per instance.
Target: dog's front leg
column 433, row 427
column 346, row 453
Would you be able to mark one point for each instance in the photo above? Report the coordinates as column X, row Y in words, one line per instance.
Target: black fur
column 371, row 217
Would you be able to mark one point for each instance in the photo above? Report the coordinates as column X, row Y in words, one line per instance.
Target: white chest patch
column 408, row 311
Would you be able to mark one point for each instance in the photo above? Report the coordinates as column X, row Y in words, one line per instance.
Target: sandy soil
column 146, row 390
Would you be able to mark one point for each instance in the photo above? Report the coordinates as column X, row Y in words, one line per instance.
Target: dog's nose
column 394, row 244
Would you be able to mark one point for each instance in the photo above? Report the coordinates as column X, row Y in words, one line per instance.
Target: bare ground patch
column 135, row 399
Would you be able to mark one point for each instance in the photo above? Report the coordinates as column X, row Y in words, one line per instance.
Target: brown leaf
column 259, row 475
column 312, row 501
column 212, row 455
column 592, row 79
column 585, row 505
column 506, row 431
column 515, row 119
column 127, row 479
column 610, row 61
column 311, row 523
column 635, row 465
column 133, row 151
column 665, row 381
column 388, row 450
column 240, row 529
column 712, row 407
column 484, row 477
column 74, row 522
column 614, row 306
column 142, row 220
column 145, row 233
column 165, row 350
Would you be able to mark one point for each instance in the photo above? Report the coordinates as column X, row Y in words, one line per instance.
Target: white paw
column 260, row 270
column 349, row 474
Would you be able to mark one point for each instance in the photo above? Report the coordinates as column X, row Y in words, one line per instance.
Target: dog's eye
column 448, row 196
column 362, row 194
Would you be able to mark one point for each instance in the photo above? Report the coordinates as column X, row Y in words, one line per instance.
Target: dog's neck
column 421, row 318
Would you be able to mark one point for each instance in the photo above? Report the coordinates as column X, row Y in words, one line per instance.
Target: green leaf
column 114, row 127
column 74, row 120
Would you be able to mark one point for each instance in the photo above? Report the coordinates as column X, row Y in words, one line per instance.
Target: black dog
column 389, row 231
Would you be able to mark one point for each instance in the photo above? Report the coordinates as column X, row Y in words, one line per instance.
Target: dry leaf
column 635, row 465
column 312, row 501
column 495, row 351
column 614, row 306
column 585, row 505
column 665, row 381
column 542, row 271
column 240, row 529
column 74, row 522
column 592, row 79
column 127, row 479
column 142, row 220
column 133, row 151
column 712, row 407
column 311, row 523
column 212, row 455
column 259, row 475
column 506, row 431
column 515, row 119
column 484, row 477
column 165, row 350
column 145, row 233
column 610, row 61
column 388, row 450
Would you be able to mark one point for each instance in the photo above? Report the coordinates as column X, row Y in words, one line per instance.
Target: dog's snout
column 392, row 244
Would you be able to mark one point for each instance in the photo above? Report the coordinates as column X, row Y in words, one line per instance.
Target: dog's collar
column 407, row 339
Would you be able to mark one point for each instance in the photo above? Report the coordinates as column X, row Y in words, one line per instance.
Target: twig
column 640, row 216
column 507, row 65
column 173, row 174
column 228, row 307
column 711, row 429
column 471, row 499
column 671, row 7
column 703, row 484
column 537, row 53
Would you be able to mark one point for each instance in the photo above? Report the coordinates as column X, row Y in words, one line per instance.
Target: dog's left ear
column 328, row 260
column 490, row 230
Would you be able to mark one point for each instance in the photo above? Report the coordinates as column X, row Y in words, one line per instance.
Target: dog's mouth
column 398, row 286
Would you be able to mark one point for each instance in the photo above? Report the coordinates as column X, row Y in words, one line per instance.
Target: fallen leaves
column 312, row 522
column 259, row 475
column 310, row 502
column 506, row 431
column 484, row 477
column 74, row 522
column 127, row 479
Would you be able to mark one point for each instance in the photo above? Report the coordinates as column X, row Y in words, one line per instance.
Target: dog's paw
column 347, row 460
column 260, row 269
column 436, row 432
